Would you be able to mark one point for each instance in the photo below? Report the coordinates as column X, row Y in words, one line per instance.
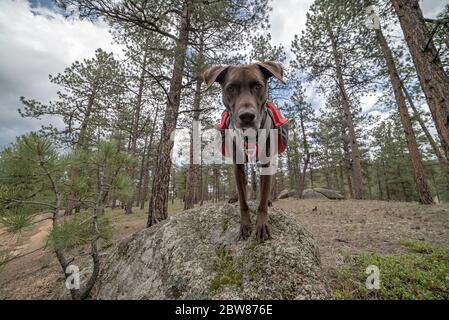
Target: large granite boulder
column 197, row 255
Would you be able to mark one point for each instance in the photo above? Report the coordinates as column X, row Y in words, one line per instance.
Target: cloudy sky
column 36, row 41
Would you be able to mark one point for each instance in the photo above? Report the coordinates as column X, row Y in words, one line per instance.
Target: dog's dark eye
column 258, row 86
column 232, row 89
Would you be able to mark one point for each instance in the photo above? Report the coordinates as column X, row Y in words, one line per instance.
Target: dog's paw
column 245, row 230
column 263, row 231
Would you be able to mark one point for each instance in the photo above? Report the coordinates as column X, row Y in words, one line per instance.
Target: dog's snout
column 247, row 117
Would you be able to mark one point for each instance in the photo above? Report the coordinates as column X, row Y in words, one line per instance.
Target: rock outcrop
column 312, row 194
column 196, row 255
column 288, row 194
column 315, row 193
column 330, row 194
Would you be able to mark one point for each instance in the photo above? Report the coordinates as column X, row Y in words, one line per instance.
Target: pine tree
column 434, row 80
column 332, row 49
column 423, row 189
column 88, row 92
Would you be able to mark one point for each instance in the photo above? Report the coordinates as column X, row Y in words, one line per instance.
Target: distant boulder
column 293, row 193
column 288, row 194
column 283, row 194
column 330, row 194
column 312, row 194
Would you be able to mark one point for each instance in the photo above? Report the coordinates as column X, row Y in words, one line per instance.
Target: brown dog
column 245, row 94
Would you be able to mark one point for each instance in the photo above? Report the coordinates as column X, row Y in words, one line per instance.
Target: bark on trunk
column 146, row 173
column 158, row 208
column 135, row 132
column 347, row 161
column 142, row 173
column 192, row 171
column 442, row 161
column 434, row 81
column 356, row 168
column 425, row 196
column 306, row 159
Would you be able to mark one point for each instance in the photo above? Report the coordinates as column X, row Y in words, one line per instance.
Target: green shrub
column 77, row 230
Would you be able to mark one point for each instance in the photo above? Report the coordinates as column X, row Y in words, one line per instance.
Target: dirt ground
column 341, row 228
column 349, row 227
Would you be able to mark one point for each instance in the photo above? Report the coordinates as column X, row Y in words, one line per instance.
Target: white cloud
column 287, row 19
column 34, row 44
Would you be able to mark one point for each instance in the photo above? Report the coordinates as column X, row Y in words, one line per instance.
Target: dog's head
column 245, row 89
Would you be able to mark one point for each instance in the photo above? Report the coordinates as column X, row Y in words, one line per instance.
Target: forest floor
column 342, row 230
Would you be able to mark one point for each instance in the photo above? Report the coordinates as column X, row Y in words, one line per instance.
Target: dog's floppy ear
column 214, row 74
column 272, row 69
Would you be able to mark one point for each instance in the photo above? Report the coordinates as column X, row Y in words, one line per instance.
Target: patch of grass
column 346, row 283
column 421, row 274
column 227, row 269
column 417, row 246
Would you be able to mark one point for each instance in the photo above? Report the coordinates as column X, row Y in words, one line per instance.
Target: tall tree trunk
column 342, row 178
column 379, row 184
column 192, row 171
column 425, row 196
column 205, row 195
column 141, row 172
column 434, row 81
column 368, row 178
column 201, row 178
column 159, row 193
column 291, row 173
column 356, row 168
column 306, row 159
column 146, row 170
column 347, row 160
column 311, row 177
column 442, row 161
column 135, row 132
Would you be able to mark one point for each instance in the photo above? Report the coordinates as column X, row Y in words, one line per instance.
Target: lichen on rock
column 197, row 255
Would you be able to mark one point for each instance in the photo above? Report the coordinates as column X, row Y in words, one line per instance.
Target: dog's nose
column 247, row 117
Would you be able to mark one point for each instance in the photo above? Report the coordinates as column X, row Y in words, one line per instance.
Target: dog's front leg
column 262, row 227
column 245, row 220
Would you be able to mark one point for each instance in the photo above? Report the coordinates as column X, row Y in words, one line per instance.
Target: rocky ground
column 340, row 228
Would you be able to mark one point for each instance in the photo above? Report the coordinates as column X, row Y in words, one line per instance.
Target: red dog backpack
column 276, row 121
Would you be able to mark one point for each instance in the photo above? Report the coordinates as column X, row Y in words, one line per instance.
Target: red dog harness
column 273, row 120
